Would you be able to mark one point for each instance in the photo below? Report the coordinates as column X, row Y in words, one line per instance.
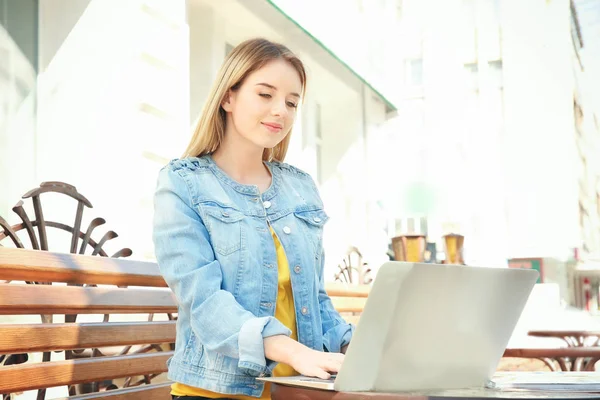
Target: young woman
column 238, row 238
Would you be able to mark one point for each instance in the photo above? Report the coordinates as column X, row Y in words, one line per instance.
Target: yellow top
column 284, row 312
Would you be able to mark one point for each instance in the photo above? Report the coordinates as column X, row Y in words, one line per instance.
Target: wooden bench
column 119, row 344
column 127, row 344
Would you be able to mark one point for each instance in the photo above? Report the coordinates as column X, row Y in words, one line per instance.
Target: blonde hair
column 244, row 59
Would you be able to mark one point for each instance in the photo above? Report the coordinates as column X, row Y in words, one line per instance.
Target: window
column 360, row 6
column 495, row 74
column 468, row 30
column 495, row 10
column 469, row 13
column 472, row 76
column 319, row 143
column 399, row 9
column 414, row 72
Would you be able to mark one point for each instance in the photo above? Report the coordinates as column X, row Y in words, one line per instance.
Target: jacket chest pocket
column 312, row 222
column 225, row 228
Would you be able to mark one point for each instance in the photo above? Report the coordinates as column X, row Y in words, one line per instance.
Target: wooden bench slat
column 48, row 337
column 344, row 290
column 39, row 299
column 156, row 391
column 349, row 304
column 45, row 266
column 21, row 299
column 15, row 378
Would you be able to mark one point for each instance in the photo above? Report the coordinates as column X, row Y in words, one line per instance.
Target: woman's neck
column 244, row 164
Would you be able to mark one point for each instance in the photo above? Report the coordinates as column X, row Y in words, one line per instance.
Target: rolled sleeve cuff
column 251, row 344
column 337, row 337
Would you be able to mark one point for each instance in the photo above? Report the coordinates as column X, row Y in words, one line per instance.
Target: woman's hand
column 304, row 360
column 309, row 362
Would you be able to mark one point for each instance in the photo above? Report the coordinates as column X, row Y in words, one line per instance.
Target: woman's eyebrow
column 274, row 88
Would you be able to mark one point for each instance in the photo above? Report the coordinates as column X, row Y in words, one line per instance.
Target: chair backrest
column 353, row 269
column 37, row 228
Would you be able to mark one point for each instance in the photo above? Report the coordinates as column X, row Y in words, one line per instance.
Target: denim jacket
column 215, row 251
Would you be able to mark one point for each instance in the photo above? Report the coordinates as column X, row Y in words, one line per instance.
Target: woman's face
column 263, row 109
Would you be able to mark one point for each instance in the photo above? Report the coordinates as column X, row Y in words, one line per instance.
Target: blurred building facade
column 102, row 93
column 464, row 116
column 502, row 126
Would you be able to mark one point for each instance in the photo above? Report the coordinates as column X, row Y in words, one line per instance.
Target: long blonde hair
column 244, row 59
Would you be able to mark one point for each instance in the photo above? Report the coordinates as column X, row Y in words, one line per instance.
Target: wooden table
column 581, row 354
column 281, row 392
column 573, row 338
column 567, row 358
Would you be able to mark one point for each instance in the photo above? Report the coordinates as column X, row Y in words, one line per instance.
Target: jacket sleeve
column 187, row 262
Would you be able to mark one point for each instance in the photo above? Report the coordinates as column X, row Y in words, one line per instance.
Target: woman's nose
column 279, row 108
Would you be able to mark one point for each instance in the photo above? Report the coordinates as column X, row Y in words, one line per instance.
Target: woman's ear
column 226, row 103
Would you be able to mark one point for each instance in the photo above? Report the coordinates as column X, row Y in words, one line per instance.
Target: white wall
column 17, row 102
column 112, row 107
column 447, row 144
column 503, row 166
column 539, row 140
column 207, row 51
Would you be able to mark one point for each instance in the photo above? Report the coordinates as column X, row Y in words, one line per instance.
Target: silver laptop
column 429, row 327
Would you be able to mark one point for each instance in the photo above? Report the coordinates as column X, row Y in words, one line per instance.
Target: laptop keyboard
column 311, row 379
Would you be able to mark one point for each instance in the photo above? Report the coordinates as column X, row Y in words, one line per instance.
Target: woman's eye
column 293, row 105
column 265, row 95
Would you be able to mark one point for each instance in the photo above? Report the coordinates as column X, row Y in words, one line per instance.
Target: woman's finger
column 332, row 365
column 321, row 373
